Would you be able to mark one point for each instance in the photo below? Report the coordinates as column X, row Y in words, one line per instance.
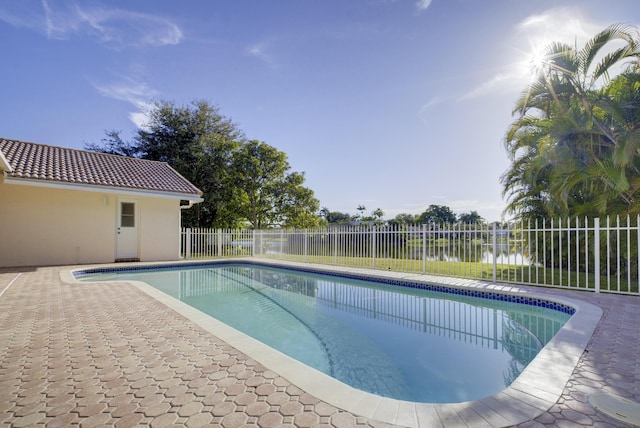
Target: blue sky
column 391, row 104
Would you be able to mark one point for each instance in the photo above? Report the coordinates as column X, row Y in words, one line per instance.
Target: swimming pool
column 400, row 339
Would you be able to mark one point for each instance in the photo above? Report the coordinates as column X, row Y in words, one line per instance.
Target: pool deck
column 122, row 355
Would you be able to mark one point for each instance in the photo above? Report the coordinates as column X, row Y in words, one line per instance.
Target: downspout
column 191, row 203
column 188, row 244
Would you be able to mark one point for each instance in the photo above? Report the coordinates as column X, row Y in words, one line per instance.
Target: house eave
column 103, row 189
column 4, row 163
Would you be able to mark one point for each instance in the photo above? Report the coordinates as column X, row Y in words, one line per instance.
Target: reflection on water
column 481, row 253
column 393, row 341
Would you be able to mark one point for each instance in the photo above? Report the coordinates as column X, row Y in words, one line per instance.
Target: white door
column 127, row 230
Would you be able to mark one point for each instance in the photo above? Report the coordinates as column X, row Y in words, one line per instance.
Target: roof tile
column 65, row 165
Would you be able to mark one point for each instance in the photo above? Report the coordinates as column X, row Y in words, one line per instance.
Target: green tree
column 198, row 142
column 438, row 214
column 470, row 218
column 270, row 195
column 335, row 217
column 375, row 218
column 243, row 182
column 574, row 146
column 113, row 144
column 378, row 216
column 402, row 219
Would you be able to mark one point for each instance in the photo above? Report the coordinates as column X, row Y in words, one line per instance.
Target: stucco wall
column 159, row 229
column 48, row 226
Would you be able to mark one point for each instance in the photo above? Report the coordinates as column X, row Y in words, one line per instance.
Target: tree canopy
column 268, row 194
column 471, row 217
column 575, row 143
column 334, row 218
column 244, row 182
column 437, row 214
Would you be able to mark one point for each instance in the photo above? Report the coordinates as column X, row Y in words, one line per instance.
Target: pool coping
column 535, row 391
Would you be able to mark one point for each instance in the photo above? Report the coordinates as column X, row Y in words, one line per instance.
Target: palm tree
column 575, row 144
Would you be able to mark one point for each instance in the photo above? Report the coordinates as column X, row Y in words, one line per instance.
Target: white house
column 61, row 206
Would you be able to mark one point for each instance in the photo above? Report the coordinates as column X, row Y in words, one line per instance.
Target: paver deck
column 112, row 355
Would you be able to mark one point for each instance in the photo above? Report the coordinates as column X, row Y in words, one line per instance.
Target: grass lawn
column 531, row 275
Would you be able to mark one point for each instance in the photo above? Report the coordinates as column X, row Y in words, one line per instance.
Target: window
column 127, row 214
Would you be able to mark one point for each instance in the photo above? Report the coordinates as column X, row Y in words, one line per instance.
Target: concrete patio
column 111, row 355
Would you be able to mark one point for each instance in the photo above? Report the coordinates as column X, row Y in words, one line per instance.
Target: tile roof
column 71, row 166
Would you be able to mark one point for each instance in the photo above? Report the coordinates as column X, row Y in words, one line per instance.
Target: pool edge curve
column 535, row 391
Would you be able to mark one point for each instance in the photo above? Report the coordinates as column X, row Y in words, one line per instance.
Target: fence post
column 335, row 245
column 219, row 242
column 373, row 247
column 306, row 237
column 596, row 253
column 281, row 244
column 253, row 247
column 424, row 249
column 187, row 236
column 495, row 252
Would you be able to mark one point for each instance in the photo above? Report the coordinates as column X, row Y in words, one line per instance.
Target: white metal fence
column 586, row 254
column 202, row 243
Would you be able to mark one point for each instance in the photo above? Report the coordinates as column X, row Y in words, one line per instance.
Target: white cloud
column 129, row 90
column 260, row 51
column 499, row 83
column 121, row 28
column 49, row 26
column 136, row 93
column 423, row 5
column 140, row 118
column 22, row 14
column 426, row 108
column 562, row 24
column 112, row 27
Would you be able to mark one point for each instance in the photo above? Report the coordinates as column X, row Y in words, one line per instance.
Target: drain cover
column 619, row 408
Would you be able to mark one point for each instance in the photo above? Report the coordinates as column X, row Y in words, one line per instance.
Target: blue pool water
column 395, row 340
